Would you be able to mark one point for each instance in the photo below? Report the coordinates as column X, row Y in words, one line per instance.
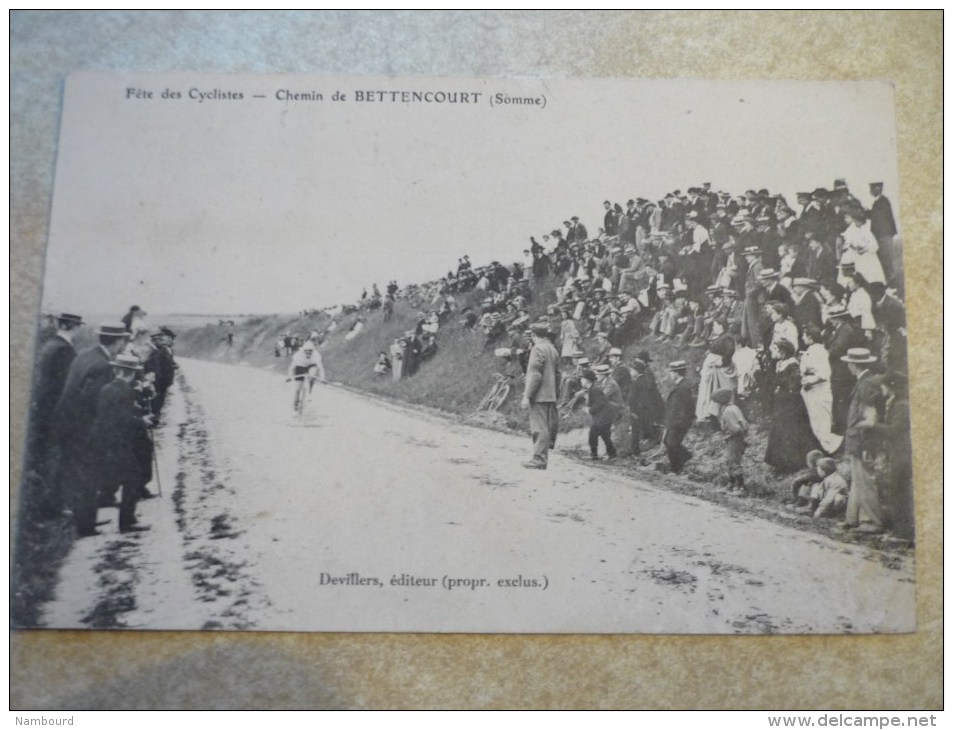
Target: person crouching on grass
column 735, row 427
column 829, row 496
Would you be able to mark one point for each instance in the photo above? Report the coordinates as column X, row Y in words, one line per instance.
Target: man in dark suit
column 611, row 220
column 628, row 222
column 808, row 216
column 884, row 228
column 679, row 414
column 620, row 373
column 841, row 337
column 646, row 408
column 891, row 334
column 161, row 364
column 578, row 231
column 820, row 264
column 117, row 432
column 75, row 413
column 56, row 356
column 774, row 290
column 768, row 240
column 807, row 307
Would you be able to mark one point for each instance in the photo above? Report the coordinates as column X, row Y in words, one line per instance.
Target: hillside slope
column 462, row 372
column 454, row 380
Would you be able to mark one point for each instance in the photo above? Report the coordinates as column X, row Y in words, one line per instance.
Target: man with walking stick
column 118, row 434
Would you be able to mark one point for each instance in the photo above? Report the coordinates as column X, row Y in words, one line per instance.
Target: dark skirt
column 790, row 437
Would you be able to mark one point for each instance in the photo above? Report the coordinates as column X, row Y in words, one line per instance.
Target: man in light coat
column 540, row 395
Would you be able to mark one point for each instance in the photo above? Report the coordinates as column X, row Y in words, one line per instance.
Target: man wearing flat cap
column 53, row 366
column 89, row 372
column 540, row 394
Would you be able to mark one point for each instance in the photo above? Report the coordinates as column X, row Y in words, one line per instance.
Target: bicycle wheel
column 488, row 398
column 501, row 397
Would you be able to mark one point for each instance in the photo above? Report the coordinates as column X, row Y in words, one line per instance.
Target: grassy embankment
column 461, row 373
column 454, row 380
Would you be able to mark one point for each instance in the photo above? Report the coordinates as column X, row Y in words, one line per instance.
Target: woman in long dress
column 790, row 437
column 860, row 247
column 569, row 336
column 816, row 389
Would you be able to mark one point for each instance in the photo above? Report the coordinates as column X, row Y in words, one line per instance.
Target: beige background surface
column 190, row 670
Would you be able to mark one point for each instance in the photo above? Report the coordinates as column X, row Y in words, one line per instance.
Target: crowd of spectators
column 788, row 306
column 91, row 419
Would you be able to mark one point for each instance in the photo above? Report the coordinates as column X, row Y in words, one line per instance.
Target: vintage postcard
column 471, row 355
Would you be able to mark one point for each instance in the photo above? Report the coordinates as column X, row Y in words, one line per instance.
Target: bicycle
column 498, row 393
column 302, row 392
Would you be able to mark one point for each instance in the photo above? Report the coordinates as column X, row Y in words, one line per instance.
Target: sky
column 260, row 205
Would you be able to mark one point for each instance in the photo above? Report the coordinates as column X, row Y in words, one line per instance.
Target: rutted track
column 189, row 570
column 260, row 504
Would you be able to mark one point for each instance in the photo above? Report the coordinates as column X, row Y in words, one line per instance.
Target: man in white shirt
column 306, row 363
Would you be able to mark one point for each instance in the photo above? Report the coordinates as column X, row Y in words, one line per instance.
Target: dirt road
column 370, row 516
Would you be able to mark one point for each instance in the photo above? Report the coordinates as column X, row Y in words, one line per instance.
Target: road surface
column 366, row 515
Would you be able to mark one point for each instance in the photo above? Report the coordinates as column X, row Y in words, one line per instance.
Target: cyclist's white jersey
column 301, row 362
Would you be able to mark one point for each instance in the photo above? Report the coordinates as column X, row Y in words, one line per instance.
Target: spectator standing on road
column 115, row 441
column 75, row 414
column 55, row 359
column 679, row 414
column 540, row 394
column 605, row 408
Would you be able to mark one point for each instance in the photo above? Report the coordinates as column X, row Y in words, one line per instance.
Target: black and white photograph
column 471, row 355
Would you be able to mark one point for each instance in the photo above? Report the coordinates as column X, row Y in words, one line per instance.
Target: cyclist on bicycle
column 306, row 363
